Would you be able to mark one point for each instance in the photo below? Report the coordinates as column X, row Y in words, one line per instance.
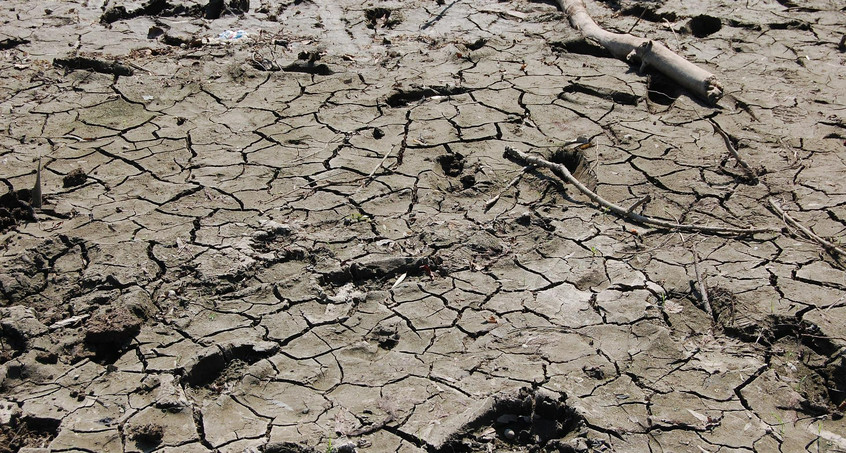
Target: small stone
column 509, row 433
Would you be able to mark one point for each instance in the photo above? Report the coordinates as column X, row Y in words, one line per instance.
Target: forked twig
column 807, row 231
column 490, row 203
column 525, row 159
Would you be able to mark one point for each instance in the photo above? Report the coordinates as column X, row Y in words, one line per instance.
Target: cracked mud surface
column 283, row 241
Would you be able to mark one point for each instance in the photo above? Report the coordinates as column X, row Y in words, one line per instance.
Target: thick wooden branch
column 649, row 53
column 562, row 171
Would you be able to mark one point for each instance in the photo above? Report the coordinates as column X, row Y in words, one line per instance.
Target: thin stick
column 807, row 231
column 732, row 150
column 702, row 290
column 490, row 203
column 643, row 200
column 623, row 212
column 381, row 162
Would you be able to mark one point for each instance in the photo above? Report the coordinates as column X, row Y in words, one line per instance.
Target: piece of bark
column 649, row 53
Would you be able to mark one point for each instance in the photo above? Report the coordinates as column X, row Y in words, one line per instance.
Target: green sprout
column 357, row 217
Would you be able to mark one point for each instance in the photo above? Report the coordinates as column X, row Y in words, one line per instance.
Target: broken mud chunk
column 378, row 133
column 18, row 325
column 93, row 64
column 109, row 332
column 74, row 178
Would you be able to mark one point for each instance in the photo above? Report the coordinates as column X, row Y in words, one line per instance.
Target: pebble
column 508, row 433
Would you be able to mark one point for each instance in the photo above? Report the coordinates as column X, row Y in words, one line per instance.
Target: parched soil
column 289, row 226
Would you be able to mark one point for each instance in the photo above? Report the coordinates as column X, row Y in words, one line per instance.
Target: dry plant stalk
column 703, row 291
column 527, row 159
column 648, row 52
column 807, row 231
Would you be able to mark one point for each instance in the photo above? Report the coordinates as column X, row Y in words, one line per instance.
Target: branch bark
column 649, row 53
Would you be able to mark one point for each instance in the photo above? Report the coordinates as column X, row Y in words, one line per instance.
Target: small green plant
column 780, row 424
column 356, row 217
column 329, row 447
column 595, row 251
column 212, row 316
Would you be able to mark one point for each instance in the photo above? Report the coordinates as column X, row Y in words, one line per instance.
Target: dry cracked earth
column 286, row 238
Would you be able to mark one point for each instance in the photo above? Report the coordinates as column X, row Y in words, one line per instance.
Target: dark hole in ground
column 476, row 45
column 216, row 366
column 10, row 43
column 93, row 64
column 791, row 25
column 15, row 208
column 661, row 90
column 308, row 67
column 704, row 25
column 648, row 13
column 389, row 18
column 381, row 270
column 619, row 97
column 581, row 47
column 401, row 98
column 27, row 432
column 574, row 159
column 532, row 419
column 451, row 164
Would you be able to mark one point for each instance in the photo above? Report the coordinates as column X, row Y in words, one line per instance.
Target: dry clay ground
column 280, row 242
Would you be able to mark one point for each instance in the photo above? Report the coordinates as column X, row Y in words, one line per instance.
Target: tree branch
column 526, row 159
column 649, row 53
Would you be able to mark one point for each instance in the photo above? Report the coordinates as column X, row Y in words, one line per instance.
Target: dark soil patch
column 109, row 333
column 382, row 17
column 147, row 436
column 74, row 178
column 531, row 419
column 16, row 208
column 27, row 432
column 451, row 164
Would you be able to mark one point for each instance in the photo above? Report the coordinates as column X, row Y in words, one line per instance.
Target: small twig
column 807, row 231
column 643, row 200
column 719, row 130
column 637, row 21
column 622, row 212
column 381, row 163
column 490, row 203
column 703, row 292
